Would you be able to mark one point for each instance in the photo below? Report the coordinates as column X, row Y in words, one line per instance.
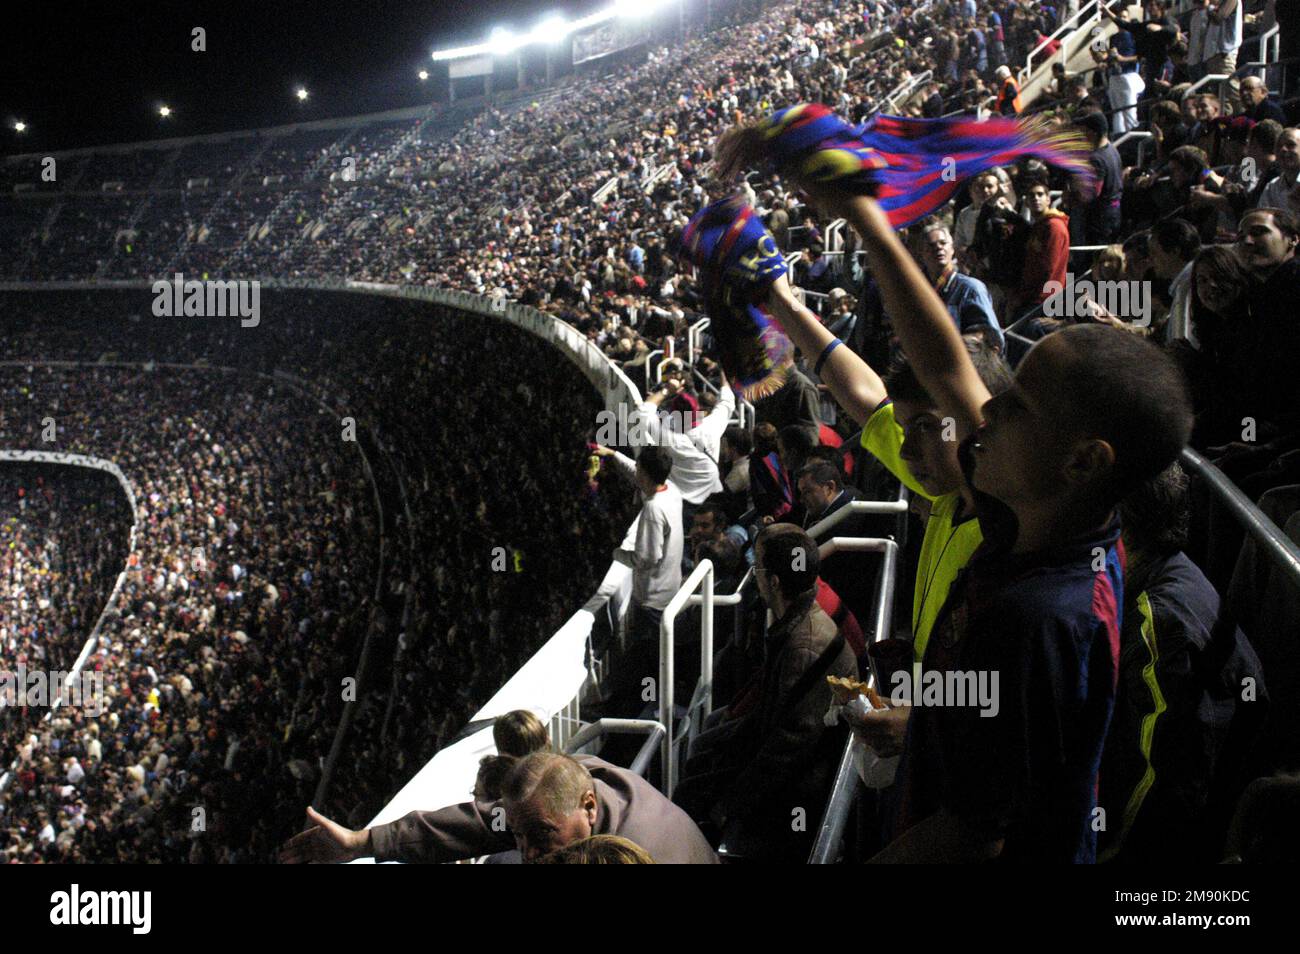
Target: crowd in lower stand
column 1156, row 301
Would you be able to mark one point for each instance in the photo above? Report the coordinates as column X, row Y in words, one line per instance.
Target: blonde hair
column 599, row 850
column 520, row 733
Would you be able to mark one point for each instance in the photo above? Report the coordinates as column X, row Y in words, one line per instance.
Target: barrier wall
column 108, row 467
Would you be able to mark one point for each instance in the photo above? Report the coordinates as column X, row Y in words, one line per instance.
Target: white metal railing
column 693, row 339
column 905, row 89
column 603, row 192
column 835, row 237
column 1211, row 78
column 659, row 175
column 1092, row 10
column 108, row 467
column 844, row 789
column 701, row 576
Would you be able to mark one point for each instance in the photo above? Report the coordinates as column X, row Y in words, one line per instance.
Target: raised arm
column 925, row 329
column 852, row 382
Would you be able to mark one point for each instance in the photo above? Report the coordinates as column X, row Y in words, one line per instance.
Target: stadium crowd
column 228, row 665
column 574, row 209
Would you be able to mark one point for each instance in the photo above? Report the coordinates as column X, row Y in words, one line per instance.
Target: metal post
column 703, row 573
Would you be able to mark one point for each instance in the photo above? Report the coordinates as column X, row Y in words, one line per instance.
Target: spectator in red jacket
column 1047, row 251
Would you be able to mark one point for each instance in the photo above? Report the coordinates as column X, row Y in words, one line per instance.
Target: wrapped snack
column 853, row 700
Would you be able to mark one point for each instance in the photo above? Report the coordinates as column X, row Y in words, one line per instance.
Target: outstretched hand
column 326, row 842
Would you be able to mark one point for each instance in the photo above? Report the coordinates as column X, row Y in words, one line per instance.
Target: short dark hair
column 492, row 772
column 902, row 384
column 738, row 438
column 657, row 462
column 790, row 556
column 1190, row 159
column 822, row 472
column 1032, row 178
column 714, row 509
column 1265, row 134
column 725, row 556
column 798, row 439
column 1157, row 514
column 1284, row 219
column 1178, row 235
column 1128, row 392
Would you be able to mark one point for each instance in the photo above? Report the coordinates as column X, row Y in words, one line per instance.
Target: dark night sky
column 83, row 74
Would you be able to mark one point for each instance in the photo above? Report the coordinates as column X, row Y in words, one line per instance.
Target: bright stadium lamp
column 502, row 42
column 551, row 30
column 423, row 74
column 20, row 126
column 301, row 93
column 164, row 111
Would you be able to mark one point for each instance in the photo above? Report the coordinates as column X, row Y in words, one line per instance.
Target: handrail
column 702, row 575
column 1210, row 78
column 1068, row 27
column 654, row 732
column 648, row 358
column 1273, row 33
column 693, row 338
column 858, row 508
column 844, row 790
column 1277, row 546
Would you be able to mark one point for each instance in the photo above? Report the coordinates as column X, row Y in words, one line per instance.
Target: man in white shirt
column 653, row 546
column 694, row 450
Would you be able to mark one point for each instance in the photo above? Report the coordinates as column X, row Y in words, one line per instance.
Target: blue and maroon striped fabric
column 911, row 166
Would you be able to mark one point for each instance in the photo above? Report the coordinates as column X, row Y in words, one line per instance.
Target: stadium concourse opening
column 582, row 467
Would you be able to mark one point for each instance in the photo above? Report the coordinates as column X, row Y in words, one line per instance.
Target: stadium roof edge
column 341, row 122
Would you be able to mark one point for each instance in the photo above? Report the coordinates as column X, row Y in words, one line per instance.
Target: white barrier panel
column 108, row 467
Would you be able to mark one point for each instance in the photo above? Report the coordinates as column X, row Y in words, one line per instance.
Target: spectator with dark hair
column 796, row 404
column 733, row 459
column 1047, row 249
column 1174, row 247
column 769, row 483
column 653, row 545
column 1244, row 187
column 1095, row 210
column 1048, row 463
column 756, row 768
column 1188, row 682
column 821, row 491
column 710, row 524
column 1124, row 83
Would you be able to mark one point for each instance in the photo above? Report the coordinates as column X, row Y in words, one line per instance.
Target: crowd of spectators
column 569, row 201
column 226, row 665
